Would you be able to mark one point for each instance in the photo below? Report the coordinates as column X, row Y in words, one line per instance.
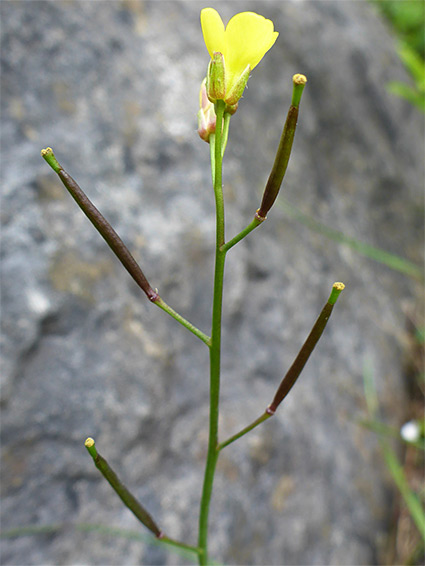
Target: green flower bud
column 216, row 86
column 238, row 87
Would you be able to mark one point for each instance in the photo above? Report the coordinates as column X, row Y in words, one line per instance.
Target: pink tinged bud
column 203, row 98
column 202, row 127
column 206, row 114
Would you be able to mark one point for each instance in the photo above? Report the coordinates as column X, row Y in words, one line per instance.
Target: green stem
column 212, row 157
column 163, row 305
column 225, row 135
column 244, row 431
column 215, row 346
column 55, row 528
column 255, row 222
column 179, row 544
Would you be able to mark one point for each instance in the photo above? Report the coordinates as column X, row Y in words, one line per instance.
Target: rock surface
column 113, row 88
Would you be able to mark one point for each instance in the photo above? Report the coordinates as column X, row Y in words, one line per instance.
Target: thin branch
column 244, row 431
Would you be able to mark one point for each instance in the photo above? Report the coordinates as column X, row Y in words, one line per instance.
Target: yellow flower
column 243, row 43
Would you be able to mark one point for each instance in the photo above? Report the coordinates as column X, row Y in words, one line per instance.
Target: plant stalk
column 215, row 344
column 244, row 431
column 251, row 226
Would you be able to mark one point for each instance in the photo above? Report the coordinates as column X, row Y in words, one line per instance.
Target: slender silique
column 115, row 242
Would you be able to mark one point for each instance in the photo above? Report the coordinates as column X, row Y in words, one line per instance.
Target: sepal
column 235, row 94
column 216, row 83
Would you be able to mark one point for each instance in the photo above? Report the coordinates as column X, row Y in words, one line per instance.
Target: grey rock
column 113, row 88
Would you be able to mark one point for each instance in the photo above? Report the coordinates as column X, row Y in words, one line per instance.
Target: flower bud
column 206, row 114
column 235, row 94
column 216, row 86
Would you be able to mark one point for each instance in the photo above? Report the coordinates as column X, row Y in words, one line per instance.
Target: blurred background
column 112, row 87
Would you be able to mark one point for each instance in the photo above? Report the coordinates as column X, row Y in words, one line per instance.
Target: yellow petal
column 248, row 38
column 213, row 31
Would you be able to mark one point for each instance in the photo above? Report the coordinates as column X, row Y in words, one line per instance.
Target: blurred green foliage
column 377, row 254
column 407, row 17
column 415, row 94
